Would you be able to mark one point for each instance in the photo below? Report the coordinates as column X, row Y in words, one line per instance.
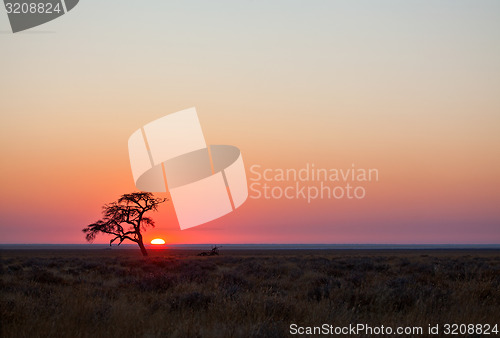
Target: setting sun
column 158, row 241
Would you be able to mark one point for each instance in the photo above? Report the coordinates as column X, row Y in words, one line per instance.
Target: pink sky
column 411, row 90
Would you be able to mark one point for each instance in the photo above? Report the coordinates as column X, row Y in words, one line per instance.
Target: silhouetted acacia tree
column 124, row 219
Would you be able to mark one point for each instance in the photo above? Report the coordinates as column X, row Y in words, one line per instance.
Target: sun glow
column 158, row 241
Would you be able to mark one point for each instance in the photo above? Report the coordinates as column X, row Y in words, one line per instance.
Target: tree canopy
column 124, row 219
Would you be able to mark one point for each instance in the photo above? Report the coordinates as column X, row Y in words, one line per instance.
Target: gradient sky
column 410, row 88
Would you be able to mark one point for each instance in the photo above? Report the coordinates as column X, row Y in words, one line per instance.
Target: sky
column 409, row 88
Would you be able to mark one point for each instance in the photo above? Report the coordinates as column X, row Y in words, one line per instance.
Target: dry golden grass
column 118, row 293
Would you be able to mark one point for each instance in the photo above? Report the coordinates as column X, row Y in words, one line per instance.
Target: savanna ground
column 258, row 293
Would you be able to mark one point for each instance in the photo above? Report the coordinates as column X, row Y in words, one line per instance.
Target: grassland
column 174, row 293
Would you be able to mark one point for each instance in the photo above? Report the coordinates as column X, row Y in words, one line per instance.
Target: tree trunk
column 143, row 248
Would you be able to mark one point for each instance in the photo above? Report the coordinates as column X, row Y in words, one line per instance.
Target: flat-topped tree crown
column 125, row 219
